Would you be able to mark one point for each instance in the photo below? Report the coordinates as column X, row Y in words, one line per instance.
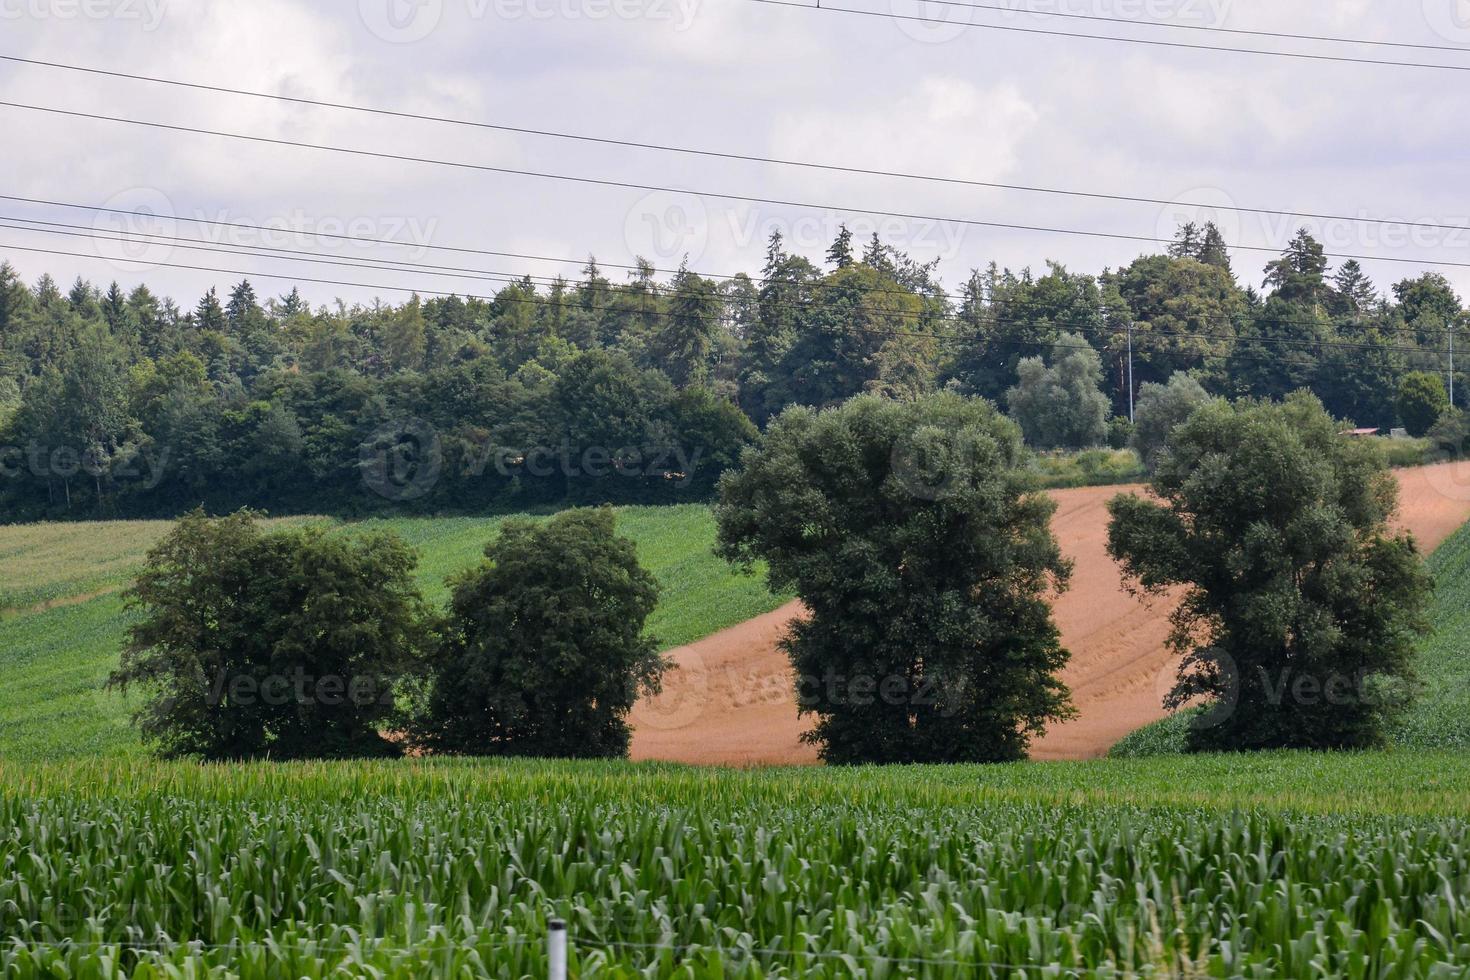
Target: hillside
column 732, row 701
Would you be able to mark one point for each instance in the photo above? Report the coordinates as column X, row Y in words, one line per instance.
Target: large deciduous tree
column 1060, row 405
column 914, row 537
column 1300, row 606
column 285, row 644
column 543, row 652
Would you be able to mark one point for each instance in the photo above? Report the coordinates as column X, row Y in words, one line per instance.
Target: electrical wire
column 727, row 155
column 633, row 185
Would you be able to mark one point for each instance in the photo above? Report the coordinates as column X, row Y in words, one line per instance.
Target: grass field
column 63, row 618
column 1440, row 718
column 1284, row 865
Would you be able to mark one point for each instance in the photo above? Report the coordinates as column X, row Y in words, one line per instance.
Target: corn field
column 453, row 868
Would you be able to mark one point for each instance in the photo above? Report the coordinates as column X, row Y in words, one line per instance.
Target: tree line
column 629, row 388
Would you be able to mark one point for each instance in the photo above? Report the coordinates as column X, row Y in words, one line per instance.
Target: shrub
column 1300, row 607
column 1421, row 401
column 914, row 537
column 1061, row 405
column 543, row 652
column 287, row 644
column 1160, row 408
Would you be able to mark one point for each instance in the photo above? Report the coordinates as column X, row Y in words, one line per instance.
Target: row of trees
column 926, row 559
column 114, row 402
column 319, row 645
column 914, row 535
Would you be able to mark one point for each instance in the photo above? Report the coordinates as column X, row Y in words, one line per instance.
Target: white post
column 1452, row 365
column 556, row 950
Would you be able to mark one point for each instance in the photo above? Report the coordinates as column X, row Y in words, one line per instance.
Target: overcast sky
column 729, row 75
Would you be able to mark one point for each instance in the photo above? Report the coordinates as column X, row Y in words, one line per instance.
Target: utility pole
column 1452, row 365
column 1130, row 372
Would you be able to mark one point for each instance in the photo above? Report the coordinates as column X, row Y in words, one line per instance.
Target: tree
column 839, row 254
column 1160, row 408
column 1299, row 275
column 914, row 538
column 685, row 339
column 208, row 314
column 1421, row 401
column 1299, row 606
column 543, row 652
column 287, row 644
column 1060, row 406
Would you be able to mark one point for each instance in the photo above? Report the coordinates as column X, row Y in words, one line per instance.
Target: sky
column 1209, row 131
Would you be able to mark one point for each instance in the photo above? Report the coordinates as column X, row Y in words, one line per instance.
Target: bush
column 288, row 644
column 543, row 652
column 1422, row 399
column 1159, row 409
column 913, row 535
column 1300, row 607
column 1120, row 432
column 1061, row 405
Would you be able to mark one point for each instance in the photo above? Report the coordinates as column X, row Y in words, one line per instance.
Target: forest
column 634, row 384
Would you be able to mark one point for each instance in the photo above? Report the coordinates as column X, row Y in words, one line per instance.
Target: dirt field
column 730, row 701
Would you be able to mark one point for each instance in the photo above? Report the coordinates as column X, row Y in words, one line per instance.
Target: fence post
column 556, row 949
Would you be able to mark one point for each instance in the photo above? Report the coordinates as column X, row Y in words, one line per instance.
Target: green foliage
column 1060, row 405
column 1120, row 432
column 1291, row 865
column 543, row 651
column 1421, row 401
column 1087, row 468
column 62, row 619
column 1159, row 409
column 288, row 644
column 911, row 532
column 1299, row 607
column 1440, row 716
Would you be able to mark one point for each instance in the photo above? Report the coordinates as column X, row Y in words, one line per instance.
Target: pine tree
column 209, row 315
column 839, row 255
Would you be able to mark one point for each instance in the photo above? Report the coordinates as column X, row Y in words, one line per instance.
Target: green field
column 62, row 617
column 1282, row 865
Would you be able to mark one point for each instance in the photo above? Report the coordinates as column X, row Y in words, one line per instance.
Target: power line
column 744, row 198
column 1346, row 59
column 1303, row 343
column 392, row 265
column 1127, row 22
column 728, row 155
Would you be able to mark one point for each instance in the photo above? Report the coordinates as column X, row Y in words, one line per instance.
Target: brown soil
column 730, row 701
